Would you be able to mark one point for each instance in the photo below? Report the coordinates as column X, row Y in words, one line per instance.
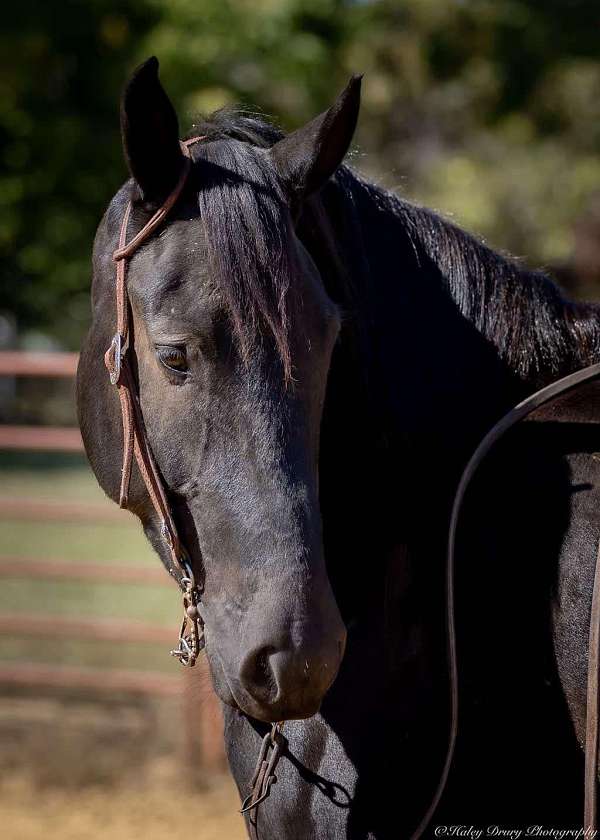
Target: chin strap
column 264, row 776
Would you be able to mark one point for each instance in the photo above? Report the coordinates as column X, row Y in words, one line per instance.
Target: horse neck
column 454, row 314
column 441, row 337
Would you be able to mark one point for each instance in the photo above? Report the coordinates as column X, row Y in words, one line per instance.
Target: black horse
column 316, row 360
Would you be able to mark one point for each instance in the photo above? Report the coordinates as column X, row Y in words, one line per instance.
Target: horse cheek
column 99, row 415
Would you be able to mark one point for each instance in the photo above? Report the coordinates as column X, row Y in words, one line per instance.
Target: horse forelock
column 248, row 227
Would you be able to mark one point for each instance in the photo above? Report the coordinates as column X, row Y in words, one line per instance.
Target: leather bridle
column 135, row 439
column 135, row 444
column 191, row 636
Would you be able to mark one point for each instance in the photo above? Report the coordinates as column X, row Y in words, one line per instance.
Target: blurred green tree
column 487, row 110
column 62, row 64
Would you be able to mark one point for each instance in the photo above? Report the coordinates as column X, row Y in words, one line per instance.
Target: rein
column 514, row 416
column 191, row 635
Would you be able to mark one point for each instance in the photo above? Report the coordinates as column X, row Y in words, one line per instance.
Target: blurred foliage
column 488, row 110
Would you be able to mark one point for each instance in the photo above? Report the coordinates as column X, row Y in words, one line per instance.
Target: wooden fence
column 200, row 716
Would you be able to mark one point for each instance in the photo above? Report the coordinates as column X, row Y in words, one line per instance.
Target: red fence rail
column 58, row 511
column 29, row 567
column 85, row 629
column 40, row 438
column 18, row 363
column 112, row 680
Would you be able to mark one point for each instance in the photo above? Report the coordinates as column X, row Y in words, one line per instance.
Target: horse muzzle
column 278, row 676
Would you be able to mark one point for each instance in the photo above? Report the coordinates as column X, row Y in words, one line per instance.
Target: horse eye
column 173, row 358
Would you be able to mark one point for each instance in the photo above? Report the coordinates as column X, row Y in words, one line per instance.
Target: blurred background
column 486, row 110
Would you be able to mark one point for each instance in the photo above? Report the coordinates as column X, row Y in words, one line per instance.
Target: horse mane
column 237, row 124
column 243, row 210
column 537, row 331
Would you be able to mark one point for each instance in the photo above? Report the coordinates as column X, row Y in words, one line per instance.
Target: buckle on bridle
column 114, row 358
column 191, row 633
column 188, row 649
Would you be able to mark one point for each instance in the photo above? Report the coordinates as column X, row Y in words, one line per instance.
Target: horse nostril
column 289, row 682
column 257, row 674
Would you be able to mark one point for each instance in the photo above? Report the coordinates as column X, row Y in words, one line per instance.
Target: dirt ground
column 28, row 813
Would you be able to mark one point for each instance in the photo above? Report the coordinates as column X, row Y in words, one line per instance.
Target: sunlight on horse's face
column 236, row 442
column 238, row 449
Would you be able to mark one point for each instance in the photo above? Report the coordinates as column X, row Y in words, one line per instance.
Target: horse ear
column 150, row 133
column 308, row 157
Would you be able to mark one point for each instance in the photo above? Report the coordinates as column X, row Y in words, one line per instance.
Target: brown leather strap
column 127, row 250
column 128, row 441
column 135, row 441
column 518, row 413
column 592, row 708
column 147, row 465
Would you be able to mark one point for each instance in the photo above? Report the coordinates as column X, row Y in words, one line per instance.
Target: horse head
column 232, row 333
